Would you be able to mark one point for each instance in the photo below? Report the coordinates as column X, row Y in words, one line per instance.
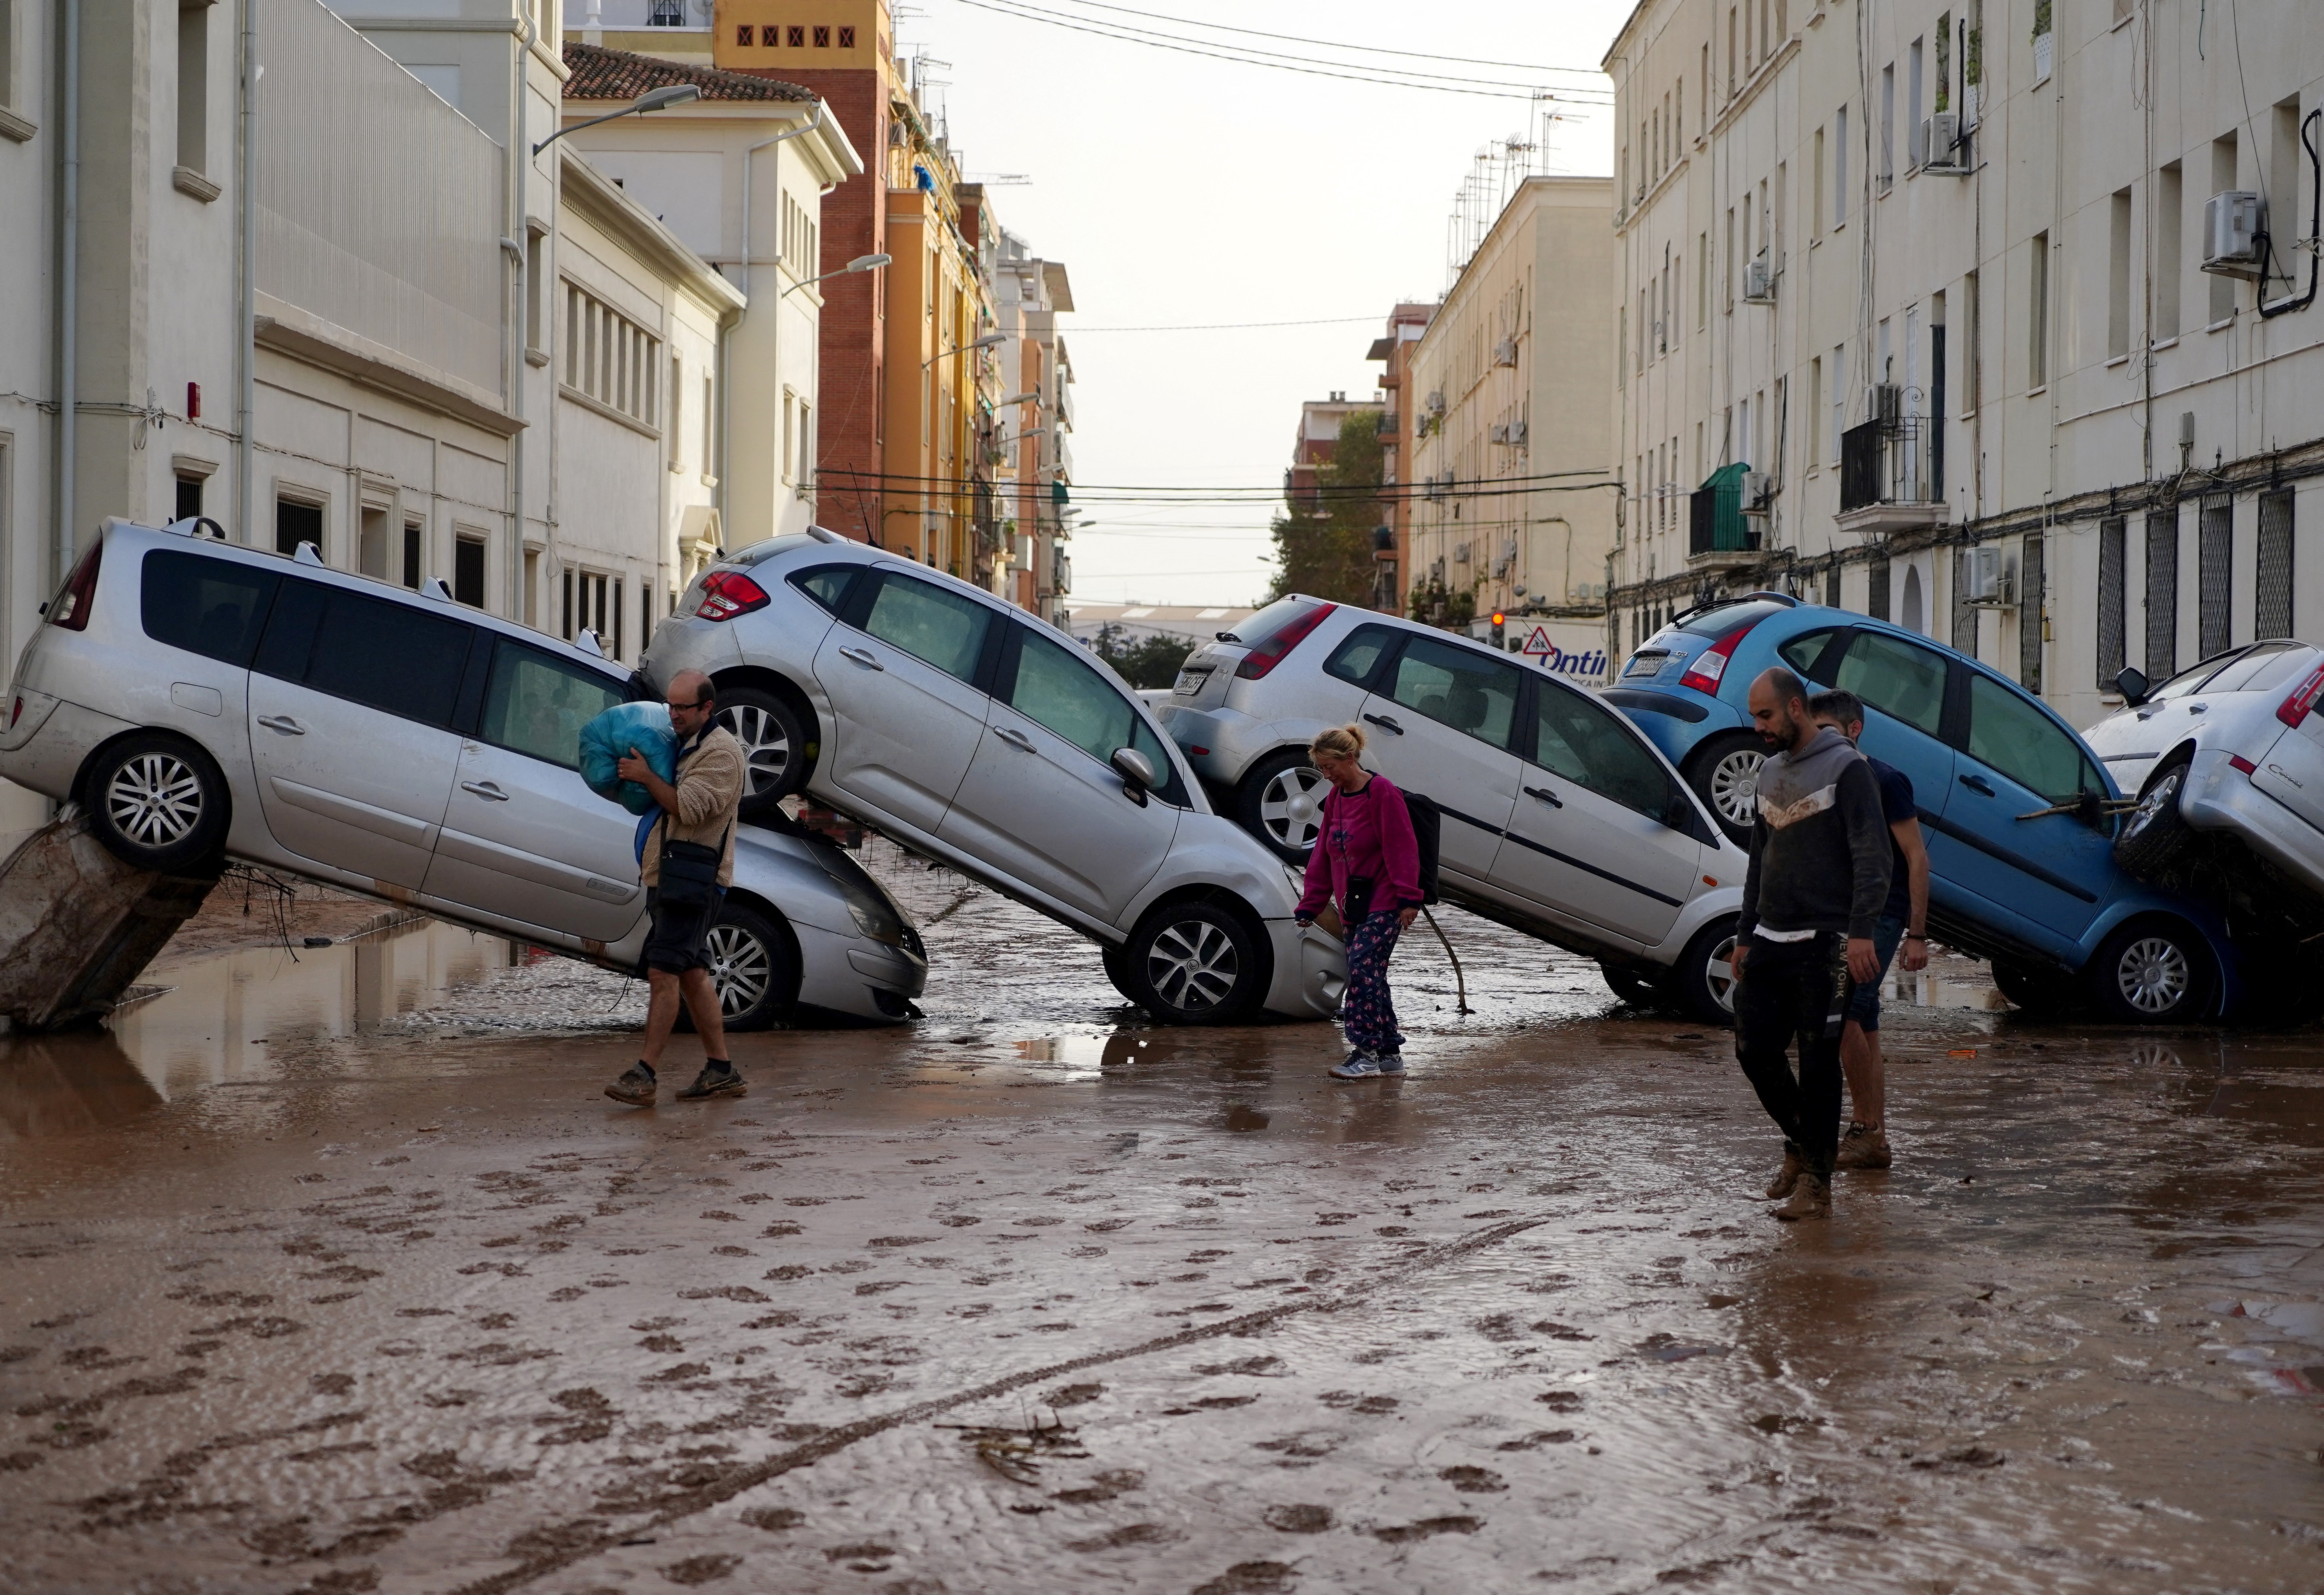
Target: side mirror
column 1137, row 773
column 2132, row 683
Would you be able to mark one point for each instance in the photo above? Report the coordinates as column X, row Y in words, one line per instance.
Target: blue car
column 2011, row 803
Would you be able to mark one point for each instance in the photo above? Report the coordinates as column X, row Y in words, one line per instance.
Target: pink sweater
column 1367, row 835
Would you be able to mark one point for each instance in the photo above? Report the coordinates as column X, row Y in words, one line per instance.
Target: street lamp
column 1018, row 399
column 986, row 342
column 653, row 100
column 862, row 262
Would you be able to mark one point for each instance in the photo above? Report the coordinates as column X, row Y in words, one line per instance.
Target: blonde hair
column 1341, row 742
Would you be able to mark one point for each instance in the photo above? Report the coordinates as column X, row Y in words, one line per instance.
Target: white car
column 975, row 735
column 2234, row 748
column 197, row 697
column 1559, row 818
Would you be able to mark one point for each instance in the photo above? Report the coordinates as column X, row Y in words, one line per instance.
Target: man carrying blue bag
column 687, row 864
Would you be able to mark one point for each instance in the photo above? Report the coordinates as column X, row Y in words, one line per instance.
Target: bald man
column 700, row 808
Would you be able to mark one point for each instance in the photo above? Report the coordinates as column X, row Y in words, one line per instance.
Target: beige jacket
column 709, row 793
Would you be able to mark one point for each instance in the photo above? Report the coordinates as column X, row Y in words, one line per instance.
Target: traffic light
column 1500, row 622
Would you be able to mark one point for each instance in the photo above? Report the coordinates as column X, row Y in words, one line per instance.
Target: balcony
column 1719, row 534
column 1887, row 471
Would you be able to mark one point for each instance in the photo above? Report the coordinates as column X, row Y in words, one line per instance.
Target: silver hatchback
column 198, row 699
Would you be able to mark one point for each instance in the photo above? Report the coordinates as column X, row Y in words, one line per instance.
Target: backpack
column 1428, row 825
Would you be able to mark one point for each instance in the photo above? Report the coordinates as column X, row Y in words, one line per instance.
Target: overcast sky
column 1183, row 190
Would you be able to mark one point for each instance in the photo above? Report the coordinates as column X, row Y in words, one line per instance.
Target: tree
column 1326, row 551
column 1148, row 662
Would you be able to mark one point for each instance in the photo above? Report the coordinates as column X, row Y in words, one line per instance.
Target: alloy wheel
column 154, row 800
column 766, row 749
column 1719, row 972
column 2153, row 974
column 2161, row 798
column 741, row 968
column 1192, row 966
column 1291, row 807
column 1735, row 786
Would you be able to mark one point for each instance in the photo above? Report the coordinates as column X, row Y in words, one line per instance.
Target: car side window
column 536, row 703
column 1056, row 689
column 213, row 608
column 2010, row 735
column 1896, row 677
column 1805, row 651
column 1456, row 687
column 1359, row 656
column 383, row 655
column 828, row 585
column 945, row 628
column 1576, row 738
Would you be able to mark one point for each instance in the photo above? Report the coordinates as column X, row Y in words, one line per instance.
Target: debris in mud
column 1017, row 1454
column 1960, row 1461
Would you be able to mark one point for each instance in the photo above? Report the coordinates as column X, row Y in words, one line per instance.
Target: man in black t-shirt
column 1903, row 918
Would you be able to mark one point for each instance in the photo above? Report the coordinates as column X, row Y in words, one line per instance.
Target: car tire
column 1631, row 985
column 2152, row 972
column 1703, row 981
column 777, row 750
column 754, row 965
column 1117, row 970
column 156, row 801
column 2040, row 994
column 1196, row 962
column 1281, row 803
column 2155, row 835
column 1724, row 773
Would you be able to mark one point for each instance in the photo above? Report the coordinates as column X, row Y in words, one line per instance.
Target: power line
column 1327, row 44
column 1216, row 325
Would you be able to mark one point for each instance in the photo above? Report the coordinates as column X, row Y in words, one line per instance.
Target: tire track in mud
column 835, row 1441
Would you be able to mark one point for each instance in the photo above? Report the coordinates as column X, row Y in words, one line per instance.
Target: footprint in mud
column 774, row 1519
column 1307, row 1443
column 1470, row 1481
column 1537, row 1439
column 331, row 1384
column 1350, row 1401
column 1074, row 1394
column 701, row 1570
column 1251, row 1578
column 1104, row 1486
column 1297, row 1519
column 1560, row 1400
column 1403, row 1532
column 867, row 1556
column 1136, row 1534
column 1264, row 1368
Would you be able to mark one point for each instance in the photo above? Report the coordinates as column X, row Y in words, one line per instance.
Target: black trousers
column 1795, row 991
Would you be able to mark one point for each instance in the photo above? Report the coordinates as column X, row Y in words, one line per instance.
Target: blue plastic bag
column 608, row 738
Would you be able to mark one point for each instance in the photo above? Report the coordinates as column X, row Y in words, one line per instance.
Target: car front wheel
column 1281, row 803
column 776, row 750
column 156, row 801
column 754, row 967
column 1631, row 985
column 1725, row 773
column 1196, row 963
column 2153, row 972
column 1703, row 978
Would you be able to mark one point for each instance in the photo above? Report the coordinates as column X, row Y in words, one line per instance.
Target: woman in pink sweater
column 1366, row 859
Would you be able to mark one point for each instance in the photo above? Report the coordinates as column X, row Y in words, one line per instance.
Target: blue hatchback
column 2021, row 850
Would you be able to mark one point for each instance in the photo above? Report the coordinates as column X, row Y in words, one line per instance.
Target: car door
column 1590, row 840
column 524, row 838
column 2012, row 760
column 1442, row 724
column 899, row 671
column 1043, row 803
column 1903, row 685
column 352, row 699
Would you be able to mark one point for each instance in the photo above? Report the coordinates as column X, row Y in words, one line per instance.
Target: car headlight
column 875, row 914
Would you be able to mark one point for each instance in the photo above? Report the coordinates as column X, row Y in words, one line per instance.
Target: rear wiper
column 1227, row 637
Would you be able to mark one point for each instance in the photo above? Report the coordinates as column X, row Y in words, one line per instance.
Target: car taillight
column 1710, row 664
column 72, row 605
column 2295, row 708
column 1269, row 654
column 16, row 711
column 726, row 594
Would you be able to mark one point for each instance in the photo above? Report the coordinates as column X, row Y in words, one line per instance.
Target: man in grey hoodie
column 1813, row 893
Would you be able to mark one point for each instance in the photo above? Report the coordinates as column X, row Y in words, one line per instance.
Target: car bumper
column 49, row 757
column 848, row 975
column 2220, row 798
column 1311, row 972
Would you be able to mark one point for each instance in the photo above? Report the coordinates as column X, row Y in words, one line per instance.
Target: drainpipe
column 69, row 299
column 246, row 401
column 513, row 245
column 725, row 395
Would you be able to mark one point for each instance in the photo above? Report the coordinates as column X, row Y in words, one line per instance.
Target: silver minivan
column 197, row 697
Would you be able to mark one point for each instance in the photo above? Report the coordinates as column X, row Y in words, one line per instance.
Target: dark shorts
column 674, row 943
column 1864, row 1000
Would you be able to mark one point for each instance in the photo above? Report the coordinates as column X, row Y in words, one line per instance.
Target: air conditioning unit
column 1517, row 431
column 2232, row 221
column 1991, row 580
column 1884, row 403
column 1436, row 402
column 1460, row 553
column 1759, row 280
column 1499, row 432
column 1947, row 146
column 1505, row 352
column 1758, row 492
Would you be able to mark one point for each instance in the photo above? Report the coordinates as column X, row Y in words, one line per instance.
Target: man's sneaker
column 717, row 1079
column 1811, row 1199
column 1357, row 1066
column 1786, row 1178
column 1390, row 1062
column 636, row 1087
column 1865, row 1146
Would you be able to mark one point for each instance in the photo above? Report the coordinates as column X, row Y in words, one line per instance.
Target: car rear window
column 827, row 585
column 1356, row 658
column 2266, row 668
column 1278, row 616
column 768, row 548
column 1804, row 651
column 1718, row 621
column 213, row 608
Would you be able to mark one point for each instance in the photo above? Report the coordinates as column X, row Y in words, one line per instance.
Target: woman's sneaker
column 1359, row 1065
column 1390, row 1062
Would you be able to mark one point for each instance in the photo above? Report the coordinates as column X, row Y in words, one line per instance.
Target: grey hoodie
column 1820, row 853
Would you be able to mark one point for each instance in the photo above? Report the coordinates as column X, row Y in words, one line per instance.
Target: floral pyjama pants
column 1368, row 1012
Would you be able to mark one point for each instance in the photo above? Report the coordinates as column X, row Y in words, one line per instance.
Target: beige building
column 1935, row 309
column 1512, row 455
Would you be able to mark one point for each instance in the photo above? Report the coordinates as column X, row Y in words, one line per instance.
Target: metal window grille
column 1964, row 613
column 2113, row 643
column 1831, row 585
column 2215, row 552
column 1876, row 603
column 2029, row 613
column 2273, row 607
column 2162, row 593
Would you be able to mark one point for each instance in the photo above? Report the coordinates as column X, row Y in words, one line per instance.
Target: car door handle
column 1385, row 723
column 864, row 657
column 1009, row 733
column 284, row 724
column 1977, row 783
column 485, row 790
column 1547, row 796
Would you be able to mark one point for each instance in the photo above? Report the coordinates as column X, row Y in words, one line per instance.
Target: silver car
column 196, row 697
column 975, row 736
column 2233, row 747
column 1559, row 818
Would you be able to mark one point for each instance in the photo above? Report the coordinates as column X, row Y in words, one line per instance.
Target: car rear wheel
column 776, row 750
column 2155, row 835
column 156, row 801
column 1117, row 970
column 1703, row 979
column 2152, row 972
column 1281, row 803
column 1725, row 774
column 2040, row 994
column 1631, row 985
column 754, row 967
column 1196, row 964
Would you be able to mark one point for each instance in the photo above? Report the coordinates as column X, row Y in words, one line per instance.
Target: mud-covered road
column 339, row 1275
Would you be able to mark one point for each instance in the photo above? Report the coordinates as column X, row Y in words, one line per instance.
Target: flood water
column 339, row 1275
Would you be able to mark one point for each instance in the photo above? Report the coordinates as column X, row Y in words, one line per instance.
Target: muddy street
column 332, row 1271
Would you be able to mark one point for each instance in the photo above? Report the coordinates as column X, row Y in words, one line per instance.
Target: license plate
column 1190, row 682
column 1644, row 664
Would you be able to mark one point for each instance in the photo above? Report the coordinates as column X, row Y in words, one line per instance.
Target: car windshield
column 1261, row 627
column 1721, row 619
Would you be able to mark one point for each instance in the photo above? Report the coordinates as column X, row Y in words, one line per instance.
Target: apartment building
column 1989, row 317
column 1513, row 465
column 1394, row 349
column 1033, row 419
